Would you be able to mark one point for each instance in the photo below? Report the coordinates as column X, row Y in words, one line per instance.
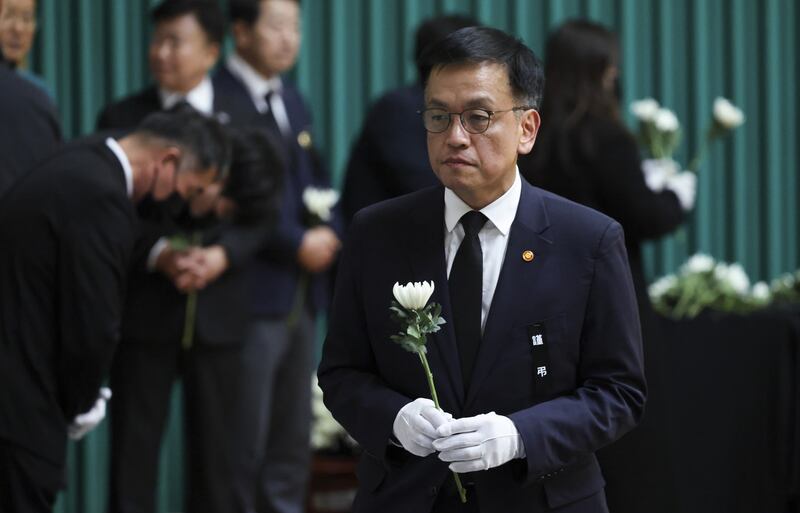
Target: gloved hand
column 684, row 185
column 478, row 443
column 86, row 422
column 415, row 426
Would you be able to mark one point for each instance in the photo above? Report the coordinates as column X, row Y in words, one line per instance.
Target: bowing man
column 67, row 229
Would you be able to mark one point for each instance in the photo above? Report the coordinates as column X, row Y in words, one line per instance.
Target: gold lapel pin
column 304, row 139
column 527, row 255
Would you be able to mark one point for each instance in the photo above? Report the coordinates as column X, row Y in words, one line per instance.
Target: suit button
column 433, row 491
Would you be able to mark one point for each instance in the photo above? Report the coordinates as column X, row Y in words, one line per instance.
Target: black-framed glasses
column 474, row 121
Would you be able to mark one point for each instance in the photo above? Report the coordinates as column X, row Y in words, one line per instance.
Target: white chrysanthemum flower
column 699, row 263
column 413, row 296
column 761, row 291
column 320, row 201
column 645, row 110
column 666, row 120
column 662, row 286
column 727, row 114
column 738, row 279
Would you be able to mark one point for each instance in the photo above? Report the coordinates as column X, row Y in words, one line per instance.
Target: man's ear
column 240, row 32
column 169, row 158
column 529, row 123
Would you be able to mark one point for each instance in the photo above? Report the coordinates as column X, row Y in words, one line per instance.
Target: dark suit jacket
column 275, row 274
column 390, row 156
column 577, row 291
column 67, row 229
column 29, row 127
column 154, row 309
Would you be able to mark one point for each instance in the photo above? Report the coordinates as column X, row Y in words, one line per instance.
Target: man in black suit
column 29, row 127
column 185, row 46
column 289, row 277
column 217, row 374
column 67, row 229
column 390, row 156
column 539, row 363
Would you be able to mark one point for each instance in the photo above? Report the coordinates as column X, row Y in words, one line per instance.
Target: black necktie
column 272, row 123
column 466, row 291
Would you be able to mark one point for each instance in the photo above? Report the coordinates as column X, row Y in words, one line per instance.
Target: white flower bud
column 761, row 291
column 727, row 114
column 320, row 201
column 666, row 121
column 645, row 110
column 699, row 263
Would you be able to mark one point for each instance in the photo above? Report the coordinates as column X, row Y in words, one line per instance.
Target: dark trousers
column 448, row 501
column 223, row 387
column 286, row 406
column 28, row 483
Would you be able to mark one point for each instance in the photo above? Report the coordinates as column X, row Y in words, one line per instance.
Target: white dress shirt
column 201, row 97
column 258, row 87
column 114, row 146
column 493, row 236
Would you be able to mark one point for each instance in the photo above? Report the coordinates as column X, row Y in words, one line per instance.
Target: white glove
column 479, row 443
column 684, row 185
column 415, row 426
column 657, row 172
column 86, row 422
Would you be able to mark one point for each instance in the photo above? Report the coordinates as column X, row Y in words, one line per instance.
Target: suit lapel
column 517, row 277
column 426, row 257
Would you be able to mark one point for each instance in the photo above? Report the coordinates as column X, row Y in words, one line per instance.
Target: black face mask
column 171, row 207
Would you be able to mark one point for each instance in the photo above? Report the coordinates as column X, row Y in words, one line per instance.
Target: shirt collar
column 201, row 97
column 257, row 85
column 501, row 212
column 115, row 148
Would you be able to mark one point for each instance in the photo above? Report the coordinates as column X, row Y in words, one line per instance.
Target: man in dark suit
column 390, row 156
column 184, row 48
column 67, row 229
column 29, row 127
column 221, row 387
column 289, row 282
column 540, row 361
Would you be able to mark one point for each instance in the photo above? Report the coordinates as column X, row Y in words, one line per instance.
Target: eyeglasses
column 474, row 121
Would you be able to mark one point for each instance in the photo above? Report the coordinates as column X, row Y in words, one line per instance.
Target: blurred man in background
column 289, row 279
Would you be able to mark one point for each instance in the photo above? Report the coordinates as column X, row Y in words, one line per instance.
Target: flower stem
column 191, row 305
column 299, row 300
column 462, row 493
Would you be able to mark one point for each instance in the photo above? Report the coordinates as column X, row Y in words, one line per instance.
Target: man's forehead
column 472, row 83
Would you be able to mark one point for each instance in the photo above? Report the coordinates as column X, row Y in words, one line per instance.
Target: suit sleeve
column 610, row 396
column 94, row 249
column 359, row 400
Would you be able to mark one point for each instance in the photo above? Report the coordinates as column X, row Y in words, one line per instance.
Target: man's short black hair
column 256, row 176
column 433, row 29
column 206, row 12
column 484, row 44
column 246, row 11
column 203, row 141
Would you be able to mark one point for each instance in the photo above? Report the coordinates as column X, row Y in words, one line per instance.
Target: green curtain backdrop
column 684, row 53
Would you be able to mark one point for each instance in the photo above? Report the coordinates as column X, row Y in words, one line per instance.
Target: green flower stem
column 299, row 301
column 462, row 494
column 191, row 305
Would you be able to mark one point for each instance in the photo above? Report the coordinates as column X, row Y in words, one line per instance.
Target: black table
column 729, row 392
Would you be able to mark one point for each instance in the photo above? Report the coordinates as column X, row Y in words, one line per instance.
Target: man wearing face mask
column 67, row 229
